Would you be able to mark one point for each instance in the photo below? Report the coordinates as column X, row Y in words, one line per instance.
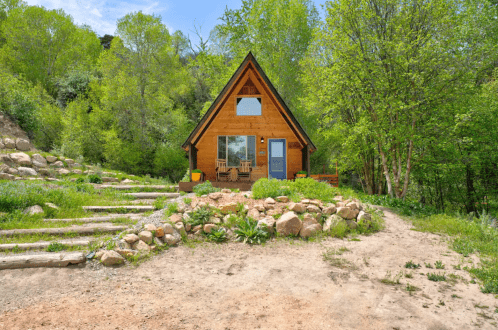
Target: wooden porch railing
column 332, row 179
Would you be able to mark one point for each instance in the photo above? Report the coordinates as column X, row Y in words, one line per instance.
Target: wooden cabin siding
column 269, row 125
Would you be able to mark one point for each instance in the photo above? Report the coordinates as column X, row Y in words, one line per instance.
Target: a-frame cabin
column 249, row 121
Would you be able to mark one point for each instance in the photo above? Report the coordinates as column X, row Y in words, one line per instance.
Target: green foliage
column 305, row 187
column 302, row 172
column 436, row 277
column 439, row 264
column 94, row 178
column 159, row 203
column 248, row 232
column 205, row 188
column 411, row 265
column 196, row 171
column 218, row 235
column 200, row 216
column 171, row 208
column 56, row 247
column 188, row 201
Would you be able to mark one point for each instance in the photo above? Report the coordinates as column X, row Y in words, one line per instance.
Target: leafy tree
column 106, row 40
column 382, row 73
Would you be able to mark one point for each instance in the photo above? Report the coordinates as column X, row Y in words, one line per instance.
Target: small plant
column 240, row 209
column 439, row 264
column 94, row 178
column 436, row 277
column 441, row 303
column 457, row 267
column 411, row 288
column 200, row 216
column 196, row 171
column 455, row 296
column 412, row 265
column 80, row 180
column 204, row 188
column 302, row 172
column 171, row 209
column 159, row 203
column 248, row 232
column 187, row 200
column 428, row 265
column 217, row 235
column 56, row 246
column 408, row 275
column 391, row 280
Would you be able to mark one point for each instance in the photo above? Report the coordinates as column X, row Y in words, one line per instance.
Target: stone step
column 130, row 186
column 42, row 260
column 152, row 195
column 110, row 217
column 81, row 230
column 131, row 208
column 43, row 245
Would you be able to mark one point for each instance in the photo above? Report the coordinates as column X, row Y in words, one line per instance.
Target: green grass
column 468, row 237
column 295, row 190
column 436, row 277
column 411, row 265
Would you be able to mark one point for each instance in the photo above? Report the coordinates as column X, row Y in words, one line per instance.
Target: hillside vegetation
column 402, row 95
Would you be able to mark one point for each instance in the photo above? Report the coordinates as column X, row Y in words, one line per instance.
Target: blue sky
column 102, row 15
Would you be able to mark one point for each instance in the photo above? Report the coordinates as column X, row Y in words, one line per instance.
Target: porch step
column 80, row 230
column 152, row 195
column 43, row 245
column 42, row 260
column 131, row 208
column 110, row 217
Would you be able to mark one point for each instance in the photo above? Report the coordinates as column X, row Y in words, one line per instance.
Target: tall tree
column 386, row 69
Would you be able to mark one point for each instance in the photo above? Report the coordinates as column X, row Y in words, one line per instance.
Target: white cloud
column 100, row 15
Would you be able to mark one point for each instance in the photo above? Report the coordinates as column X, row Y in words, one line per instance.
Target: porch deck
column 241, row 185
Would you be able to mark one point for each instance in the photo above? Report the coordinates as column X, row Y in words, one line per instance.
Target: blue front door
column 277, row 159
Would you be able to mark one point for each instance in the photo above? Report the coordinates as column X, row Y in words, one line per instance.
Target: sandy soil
column 282, row 285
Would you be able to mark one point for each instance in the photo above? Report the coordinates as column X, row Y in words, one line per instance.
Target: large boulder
column 269, row 200
column 13, row 171
column 253, row 213
column 125, row 252
column 313, row 208
column 6, row 176
column 145, row 236
column 230, row 207
column 308, row 219
column 32, row 210
column 297, row 207
column 58, row 164
column 333, row 221
column 172, row 239
column 63, row 171
column 131, row 238
column 346, row 213
column 22, row 144
column 39, row 160
column 4, row 168
column 168, row 229
column 175, row 218
column 27, row 171
column 354, row 205
column 51, row 159
column 9, row 143
column 141, row 246
column 44, row 171
column 110, row 258
column 268, row 222
column 310, row 229
column 208, row 227
column 123, row 244
column 329, row 210
column 20, row 158
column 289, row 224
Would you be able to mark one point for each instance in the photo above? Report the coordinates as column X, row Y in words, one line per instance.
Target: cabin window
column 236, row 148
column 248, row 106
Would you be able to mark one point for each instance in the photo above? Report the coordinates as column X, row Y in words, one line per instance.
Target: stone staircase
column 95, row 228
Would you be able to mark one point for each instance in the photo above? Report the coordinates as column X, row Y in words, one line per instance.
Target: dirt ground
column 282, row 285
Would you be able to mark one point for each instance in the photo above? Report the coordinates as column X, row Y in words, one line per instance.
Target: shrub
column 196, row 171
column 248, row 232
column 436, row 277
column 80, row 180
column 305, row 187
column 200, row 216
column 94, row 178
column 171, row 208
column 56, row 246
column 218, row 235
column 159, row 203
column 264, row 188
column 205, row 188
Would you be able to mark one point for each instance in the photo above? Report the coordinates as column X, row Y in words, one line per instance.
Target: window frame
column 226, row 148
column 257, row 96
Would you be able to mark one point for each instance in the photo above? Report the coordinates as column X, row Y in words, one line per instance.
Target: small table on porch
column 234, row 174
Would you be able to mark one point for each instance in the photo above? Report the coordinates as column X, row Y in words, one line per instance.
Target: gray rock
column 63, row 171
column 158, row 242
column 313, row 209
column 297, row 207
column 289, row 224
column 6, row 176
column 110, row 258
column 329, row 210
column 58, row 163
column 22, row 144
column 39, row 160
column 123, row 244
column 145, row 236
column 27, row 171
column 310, row 230
column 32, row 210
column 43, row 171
column 13, row 171
column 345, row 213
column 69, row 161
column 4, row 168
column 353, row 205
column 2, row 146
column 9, row 143
column 168, row 229
column 172, row 239
column 269, row 222
column 20, row 158
column 51, row 159
column 333, row 221
column 141, row 246
column 270, row 200
column 131, row 238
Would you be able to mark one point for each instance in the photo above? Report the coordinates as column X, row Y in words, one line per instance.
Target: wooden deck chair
column 245, row 170
column 222, row 170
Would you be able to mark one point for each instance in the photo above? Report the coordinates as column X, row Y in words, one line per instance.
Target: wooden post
column 306, row 160
column 192, row 159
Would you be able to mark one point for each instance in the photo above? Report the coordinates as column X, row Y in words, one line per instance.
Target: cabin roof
column 249, row 58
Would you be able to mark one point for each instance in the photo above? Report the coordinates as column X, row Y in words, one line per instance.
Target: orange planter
column 300, row 175
column 196, row 176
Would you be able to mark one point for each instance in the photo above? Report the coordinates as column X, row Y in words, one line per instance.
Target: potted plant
column 301, row 174
column 196, row 175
